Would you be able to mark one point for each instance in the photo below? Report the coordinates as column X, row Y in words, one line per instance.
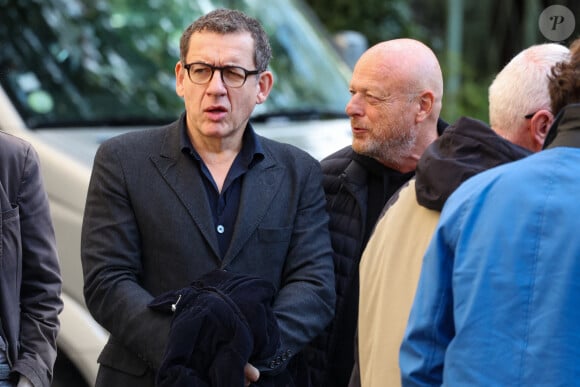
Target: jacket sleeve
column 430, row 327
column 40, row 301
column 305, row 302
column 111, row 259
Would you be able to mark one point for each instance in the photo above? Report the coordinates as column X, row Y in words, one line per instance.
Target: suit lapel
column 259, row 188
column 177, row 170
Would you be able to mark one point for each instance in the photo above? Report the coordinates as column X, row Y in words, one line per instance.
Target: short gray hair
column 521, row 87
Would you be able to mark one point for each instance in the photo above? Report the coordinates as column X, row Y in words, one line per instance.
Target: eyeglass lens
column 232, row 76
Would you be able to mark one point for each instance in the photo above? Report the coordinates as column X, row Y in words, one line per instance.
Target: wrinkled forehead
column 374, row 75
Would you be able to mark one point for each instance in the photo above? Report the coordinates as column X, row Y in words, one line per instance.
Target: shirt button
column 220, row 229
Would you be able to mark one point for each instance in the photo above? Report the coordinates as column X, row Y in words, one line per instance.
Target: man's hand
column 252, row 374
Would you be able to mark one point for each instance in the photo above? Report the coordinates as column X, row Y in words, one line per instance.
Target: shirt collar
column 252, row 151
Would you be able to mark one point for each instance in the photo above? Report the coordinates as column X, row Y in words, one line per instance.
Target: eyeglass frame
column 213, row 68
column 529, row 116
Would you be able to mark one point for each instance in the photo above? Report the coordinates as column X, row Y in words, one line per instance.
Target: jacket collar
column 175, row 168
column 466, row 148
column 565, row 130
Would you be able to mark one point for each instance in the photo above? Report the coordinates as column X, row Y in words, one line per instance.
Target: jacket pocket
column 116, row 356
column 11, row 251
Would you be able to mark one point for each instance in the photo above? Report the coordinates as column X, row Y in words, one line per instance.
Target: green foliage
column 376, row 19
column 492, row 32
column 381, row 20
column 471, row 99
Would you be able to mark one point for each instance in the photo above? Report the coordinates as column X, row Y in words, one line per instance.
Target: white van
column 76, row 72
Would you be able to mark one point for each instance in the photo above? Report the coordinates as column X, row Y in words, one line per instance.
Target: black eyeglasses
column 528, row 116
column 232, row 76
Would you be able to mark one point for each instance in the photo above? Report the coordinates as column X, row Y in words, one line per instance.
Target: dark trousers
column 110, row 377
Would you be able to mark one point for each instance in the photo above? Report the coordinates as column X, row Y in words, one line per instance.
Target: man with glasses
column 167, row 206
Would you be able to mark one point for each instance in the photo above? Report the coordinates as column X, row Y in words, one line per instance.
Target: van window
column 94, row 62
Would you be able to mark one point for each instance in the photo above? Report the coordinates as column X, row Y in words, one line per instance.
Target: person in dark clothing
column 391, row 263
column 396, row 90
column 30, row 279
column 228, row 319
column 167, row 205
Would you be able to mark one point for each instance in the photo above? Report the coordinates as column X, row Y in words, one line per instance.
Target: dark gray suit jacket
column 148, row 229
column 30, row 281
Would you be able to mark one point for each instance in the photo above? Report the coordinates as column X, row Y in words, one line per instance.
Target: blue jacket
column 497, row 302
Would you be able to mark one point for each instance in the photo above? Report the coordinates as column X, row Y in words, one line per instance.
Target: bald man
column 519, row 112
column 396, row 90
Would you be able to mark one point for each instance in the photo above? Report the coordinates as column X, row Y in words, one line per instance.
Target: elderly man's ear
column 426, row 101
column 540, row 125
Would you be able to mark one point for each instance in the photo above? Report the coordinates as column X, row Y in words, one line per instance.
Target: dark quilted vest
column 346, row 204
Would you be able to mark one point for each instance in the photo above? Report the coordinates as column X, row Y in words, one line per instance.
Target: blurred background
column 473, row 39
column 94, row 40
column 74, row 73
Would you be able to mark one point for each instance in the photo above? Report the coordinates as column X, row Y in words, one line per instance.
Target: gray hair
column 521, row 87
column 227, row 21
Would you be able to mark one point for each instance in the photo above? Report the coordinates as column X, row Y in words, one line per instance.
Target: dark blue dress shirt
column 225, row 204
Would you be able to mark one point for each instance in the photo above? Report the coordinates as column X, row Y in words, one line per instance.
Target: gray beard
column 393, row 151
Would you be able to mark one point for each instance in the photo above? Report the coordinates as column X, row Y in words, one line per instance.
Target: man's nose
column 216, row 82
column 354, row 106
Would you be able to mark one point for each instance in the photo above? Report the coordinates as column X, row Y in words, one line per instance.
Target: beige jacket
column 390, row 265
